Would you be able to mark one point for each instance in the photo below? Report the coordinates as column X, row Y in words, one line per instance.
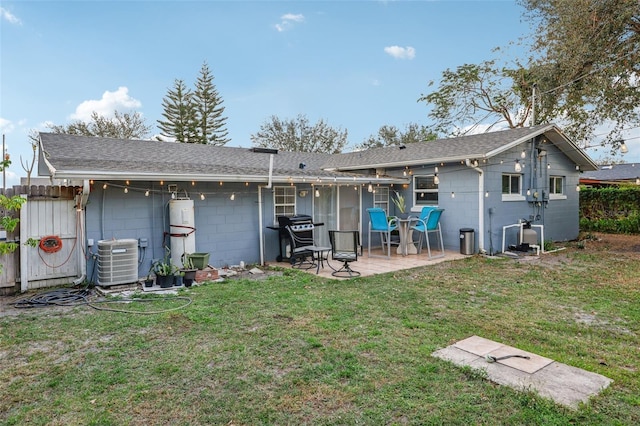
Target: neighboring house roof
column 612, row 174
column 478, row 146
column 82, row 157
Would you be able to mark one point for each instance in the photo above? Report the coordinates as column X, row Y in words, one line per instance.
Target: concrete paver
column 564, row 384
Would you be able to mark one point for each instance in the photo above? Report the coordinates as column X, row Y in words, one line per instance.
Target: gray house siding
column 226, row 229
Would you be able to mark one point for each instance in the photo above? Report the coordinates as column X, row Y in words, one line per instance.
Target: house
column 612, row 174
column 225, row 201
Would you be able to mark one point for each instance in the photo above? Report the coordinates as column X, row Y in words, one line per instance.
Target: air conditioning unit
column 117, row 262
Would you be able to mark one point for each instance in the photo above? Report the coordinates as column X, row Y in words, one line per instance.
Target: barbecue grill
column 301, row 225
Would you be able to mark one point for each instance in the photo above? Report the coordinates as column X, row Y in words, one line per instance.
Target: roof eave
column 319, row 179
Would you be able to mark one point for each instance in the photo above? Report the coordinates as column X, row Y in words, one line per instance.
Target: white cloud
column 110, row 102
column 401, row 52
column 287, row 21
column 6, row 126
column 9, row 17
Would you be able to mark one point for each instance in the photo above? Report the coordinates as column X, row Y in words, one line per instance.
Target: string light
column 523, row 154
column 161, row 182
column 317, row 193
column 233, row 196
column 548, row 165
column 146, row 193
column 126, row 190
column 486, row 194
column 528, row 191
column 370, row 187
column 436, row 179
column 518, row 167
column 193, row 183
column 453, row 195
column 104, row 186
column 435, row 170
column 202, row 196
column 127, row 183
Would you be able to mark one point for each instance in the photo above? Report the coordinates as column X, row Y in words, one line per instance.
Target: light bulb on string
column 518, row 166
column 126, row 190
column 202, row 196
column 370, row 188
column 453, row 195
column 233, row 196
column 435, row 170
column 146, row 193
column 523, row 154
column 104, row 186
column 436, row 179
column 486, row 194
column 317, row 193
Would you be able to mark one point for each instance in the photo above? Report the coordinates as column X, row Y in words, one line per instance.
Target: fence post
column 24, row 257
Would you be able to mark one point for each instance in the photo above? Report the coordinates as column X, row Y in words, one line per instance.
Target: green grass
column 300, row 349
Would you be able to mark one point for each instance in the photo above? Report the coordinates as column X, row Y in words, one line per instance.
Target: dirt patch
column 617, row 243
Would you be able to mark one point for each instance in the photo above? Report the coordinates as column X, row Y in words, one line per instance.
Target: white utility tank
column 182, row 229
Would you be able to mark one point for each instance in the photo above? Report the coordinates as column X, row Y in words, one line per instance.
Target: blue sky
column 357, row 65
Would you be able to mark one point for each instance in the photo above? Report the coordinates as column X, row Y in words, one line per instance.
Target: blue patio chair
column 380, row 223
column 429, row 222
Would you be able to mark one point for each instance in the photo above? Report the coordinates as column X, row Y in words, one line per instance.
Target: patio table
column 406, row 236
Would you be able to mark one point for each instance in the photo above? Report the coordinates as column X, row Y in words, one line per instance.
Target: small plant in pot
column 188, row 270
column 401, row 205
column 164, row 270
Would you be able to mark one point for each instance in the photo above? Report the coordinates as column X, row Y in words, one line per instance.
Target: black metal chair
column 344, row 248
column 302, row 254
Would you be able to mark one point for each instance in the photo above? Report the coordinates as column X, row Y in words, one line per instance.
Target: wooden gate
column 51, row 217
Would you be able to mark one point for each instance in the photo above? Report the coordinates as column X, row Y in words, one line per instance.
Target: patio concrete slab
column 564, row 384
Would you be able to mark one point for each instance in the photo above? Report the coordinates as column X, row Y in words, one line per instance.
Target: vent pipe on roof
column 270, row 171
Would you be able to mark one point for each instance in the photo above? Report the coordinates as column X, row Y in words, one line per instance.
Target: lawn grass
column 300, row 349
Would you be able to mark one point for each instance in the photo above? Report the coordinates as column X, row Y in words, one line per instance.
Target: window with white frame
column 284, row 202
column 512, row 187
column 381, row 198
column 556, row 187
column 425, row 190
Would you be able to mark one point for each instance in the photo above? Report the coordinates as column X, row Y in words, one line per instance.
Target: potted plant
column 188, row 270
column 164, row 270
column 401, row 205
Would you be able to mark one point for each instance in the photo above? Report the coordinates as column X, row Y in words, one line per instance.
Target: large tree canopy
column 120, row 126
column 194, row 116
column 587, row 64
column 298, row 135
column 179, row 114
column 583, row 59
column 392, row 136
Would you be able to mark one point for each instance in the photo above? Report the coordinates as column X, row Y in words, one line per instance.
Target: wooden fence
column 50, row 211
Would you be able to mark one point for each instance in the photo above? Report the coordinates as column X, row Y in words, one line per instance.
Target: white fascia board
column 323, row 180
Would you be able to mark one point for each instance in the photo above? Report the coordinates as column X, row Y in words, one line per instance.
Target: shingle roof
column 82, row 157
column 476, row 146
column 614, row 172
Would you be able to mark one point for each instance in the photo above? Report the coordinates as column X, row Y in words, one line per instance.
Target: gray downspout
column 480, row 205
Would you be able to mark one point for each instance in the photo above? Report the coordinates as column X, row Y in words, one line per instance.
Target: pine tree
column 208, row 105
column 180, row 114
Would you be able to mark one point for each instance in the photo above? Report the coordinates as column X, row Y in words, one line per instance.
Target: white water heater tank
column 182, row 229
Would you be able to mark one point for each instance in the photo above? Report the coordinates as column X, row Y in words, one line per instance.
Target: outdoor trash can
column 467, row 241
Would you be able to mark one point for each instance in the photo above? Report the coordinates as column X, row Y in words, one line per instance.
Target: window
column 512, row 187
column 511, row 184
column 556, row 187
column 381, row 198
column 425, row 190
column 284, row 202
